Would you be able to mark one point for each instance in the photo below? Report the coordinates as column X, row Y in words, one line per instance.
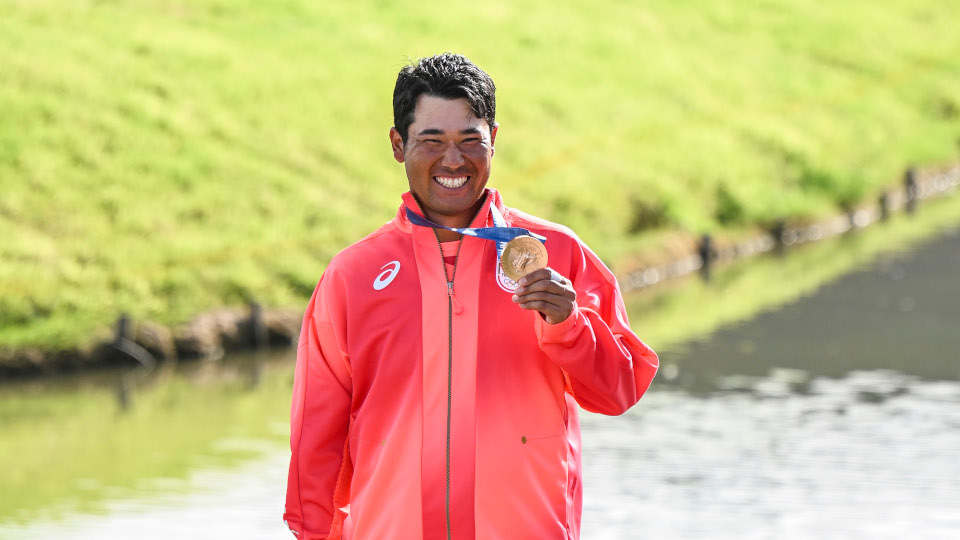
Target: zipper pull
column 457, row 308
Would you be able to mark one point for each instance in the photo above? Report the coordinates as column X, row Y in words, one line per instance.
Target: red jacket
column 418, row 413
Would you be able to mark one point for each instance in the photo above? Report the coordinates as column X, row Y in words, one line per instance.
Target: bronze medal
column 523, row 255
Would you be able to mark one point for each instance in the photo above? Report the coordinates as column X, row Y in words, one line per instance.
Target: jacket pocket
column 537, row 477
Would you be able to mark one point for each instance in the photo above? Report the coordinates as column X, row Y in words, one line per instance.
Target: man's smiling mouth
column 451, row 182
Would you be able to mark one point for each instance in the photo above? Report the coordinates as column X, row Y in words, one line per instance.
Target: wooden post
column 778, row 230
column 910, row 184
column 258, row 329
column 122, row 330
column 705, row 250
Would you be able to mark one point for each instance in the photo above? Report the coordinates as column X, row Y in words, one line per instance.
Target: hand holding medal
column 548, row 292
column 524, row 260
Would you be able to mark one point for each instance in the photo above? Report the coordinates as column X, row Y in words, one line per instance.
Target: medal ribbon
column 499, row 233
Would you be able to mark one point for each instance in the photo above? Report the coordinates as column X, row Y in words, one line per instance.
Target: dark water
column 834, row 416
column 902, row 314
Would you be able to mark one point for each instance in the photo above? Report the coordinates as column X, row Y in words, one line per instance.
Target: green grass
column 162, row 158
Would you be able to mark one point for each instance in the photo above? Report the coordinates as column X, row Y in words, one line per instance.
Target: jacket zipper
column 449, row 280
column 450, row 300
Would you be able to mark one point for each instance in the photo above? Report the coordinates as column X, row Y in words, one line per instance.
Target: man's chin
column 457, row 206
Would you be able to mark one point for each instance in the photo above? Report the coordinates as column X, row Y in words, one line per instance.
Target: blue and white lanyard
column 499, row 233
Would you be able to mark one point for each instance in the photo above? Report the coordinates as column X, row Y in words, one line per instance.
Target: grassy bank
column 162, row 158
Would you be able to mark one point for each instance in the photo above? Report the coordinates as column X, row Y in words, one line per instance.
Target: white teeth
column 452, row 183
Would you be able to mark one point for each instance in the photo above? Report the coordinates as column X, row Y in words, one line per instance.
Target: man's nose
column 452, row 157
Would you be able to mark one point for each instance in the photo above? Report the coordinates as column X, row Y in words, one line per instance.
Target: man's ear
column 396, row 142
column 493, row 137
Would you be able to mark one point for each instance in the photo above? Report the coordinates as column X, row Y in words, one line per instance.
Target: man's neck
column 447, row 236
column 458, row 222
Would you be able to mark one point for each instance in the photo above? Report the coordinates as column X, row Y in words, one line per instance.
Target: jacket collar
column 483, row 218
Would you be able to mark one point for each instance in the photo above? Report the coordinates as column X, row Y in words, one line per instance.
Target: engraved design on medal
column 521, row 256
column 522, row 259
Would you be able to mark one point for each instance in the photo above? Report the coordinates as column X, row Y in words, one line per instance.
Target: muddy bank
column 212, row 334
column 208, row 336
column 701, row 255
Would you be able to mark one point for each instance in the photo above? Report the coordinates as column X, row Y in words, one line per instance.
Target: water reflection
column 214, row 503
column 71, row 448
column 870, row 455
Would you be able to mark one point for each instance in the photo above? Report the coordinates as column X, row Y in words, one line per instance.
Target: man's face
column 447, row 158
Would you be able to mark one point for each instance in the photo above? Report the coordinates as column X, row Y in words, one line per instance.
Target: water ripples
column 871, row 455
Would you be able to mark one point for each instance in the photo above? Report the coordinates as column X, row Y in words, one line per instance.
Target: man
column 434, row 397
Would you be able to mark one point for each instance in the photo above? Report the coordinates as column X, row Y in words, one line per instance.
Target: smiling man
column 434, row 396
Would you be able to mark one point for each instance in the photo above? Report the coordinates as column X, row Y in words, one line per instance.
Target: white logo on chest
column 504, row 282
column 390, row 271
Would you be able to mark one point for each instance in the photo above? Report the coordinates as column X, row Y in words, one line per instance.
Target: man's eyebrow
column 435, row 131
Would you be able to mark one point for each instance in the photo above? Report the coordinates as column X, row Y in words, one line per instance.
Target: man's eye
column 471, row 140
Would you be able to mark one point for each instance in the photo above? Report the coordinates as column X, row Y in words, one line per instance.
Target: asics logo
column 389, row 272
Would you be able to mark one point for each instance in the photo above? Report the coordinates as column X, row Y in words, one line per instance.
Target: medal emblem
column 521, row 256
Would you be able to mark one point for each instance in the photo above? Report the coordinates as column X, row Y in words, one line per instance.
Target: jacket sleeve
column 318, row 483
column 606, row 365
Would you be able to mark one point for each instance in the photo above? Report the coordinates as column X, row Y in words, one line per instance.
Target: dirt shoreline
column 211, row 334
column 918, row 185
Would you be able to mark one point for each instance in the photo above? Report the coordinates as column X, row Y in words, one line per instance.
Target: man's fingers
column 541, row 306
column 548, row 292
column 546, row 285
column 545, row 279
column 554, row 299
column 538, row 275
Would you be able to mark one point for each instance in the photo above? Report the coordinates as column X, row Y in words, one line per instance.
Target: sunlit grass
column 162, row 157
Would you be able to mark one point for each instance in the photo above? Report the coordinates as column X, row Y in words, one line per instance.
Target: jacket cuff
column 299, row 533
column 560, row 332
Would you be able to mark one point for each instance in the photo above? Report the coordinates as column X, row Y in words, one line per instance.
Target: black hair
column 448, row 76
